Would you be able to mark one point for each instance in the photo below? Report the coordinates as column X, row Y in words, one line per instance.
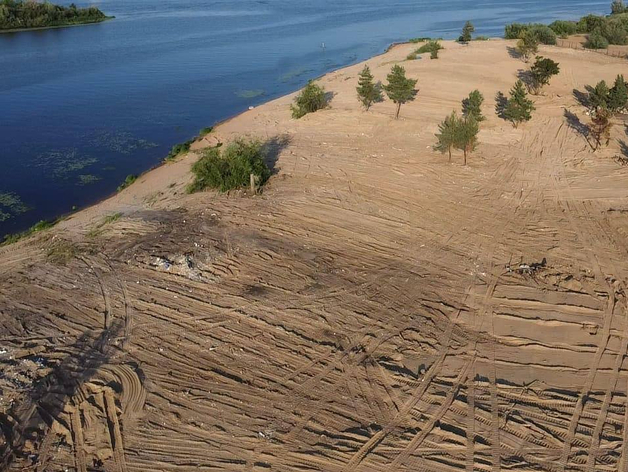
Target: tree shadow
column 329, row 96
column 526, row 77
column 501, row 102
column 27, row 421
column 623, row 147
column 582, row 97
column 574, row 123
column 512, row 52
column 273, row 149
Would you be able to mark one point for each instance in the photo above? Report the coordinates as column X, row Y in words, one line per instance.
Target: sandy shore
column 366, row 312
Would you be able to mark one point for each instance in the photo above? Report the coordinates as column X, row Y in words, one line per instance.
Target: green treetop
column 400, row 89
column 519, row 107
column 369, row 92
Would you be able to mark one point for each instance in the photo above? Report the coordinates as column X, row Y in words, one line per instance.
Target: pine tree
column 447, row 134
column 618, row 95
column 369, row 92
column 618, row 7
column 599, row 96
column 528, row 44
column 472, row 106
column 467, row 136
column 467, row 31
column 541, row 72
column 519, row 108
column 400, row 89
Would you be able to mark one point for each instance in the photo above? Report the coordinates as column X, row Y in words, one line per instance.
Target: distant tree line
column 18, row 14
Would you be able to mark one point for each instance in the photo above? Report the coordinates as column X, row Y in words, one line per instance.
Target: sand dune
column 366, row 313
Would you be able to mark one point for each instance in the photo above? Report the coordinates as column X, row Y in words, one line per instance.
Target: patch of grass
column 248, row 94
column 205, row 131
column 98, row 229
column 419, row 40
column 127, row 182
column 61, row 251
column 36, row 228
column 178, row 149
column 231, row 168
column 481, row 38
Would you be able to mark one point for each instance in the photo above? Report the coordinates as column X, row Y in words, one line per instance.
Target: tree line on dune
column 232, row 167
column 18, row 14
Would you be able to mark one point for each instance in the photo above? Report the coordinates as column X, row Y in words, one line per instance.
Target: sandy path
column 359, row 315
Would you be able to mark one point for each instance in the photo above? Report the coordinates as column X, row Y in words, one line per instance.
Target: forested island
column 22, row 15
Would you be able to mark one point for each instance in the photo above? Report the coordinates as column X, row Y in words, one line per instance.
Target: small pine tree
column 369, row 92
column 528, row 44
column 447, row 134
column 618, row 95
column 600, row 127
column 472, row 106
column 519, row 107
column 312, row 98
column 467, row 136
column 541, row 72
column 400, row 89
column 599, row 96
column 467, row 30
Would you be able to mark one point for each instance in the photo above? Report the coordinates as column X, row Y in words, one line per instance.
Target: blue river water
column 83, row 107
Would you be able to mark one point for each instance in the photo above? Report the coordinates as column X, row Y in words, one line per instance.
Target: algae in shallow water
column 120, row 141
column 13, row 203
column 64, row 162
column 249, row 93
column 86, row 179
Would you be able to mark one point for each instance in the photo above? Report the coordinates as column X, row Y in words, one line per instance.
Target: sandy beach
column 369, row 311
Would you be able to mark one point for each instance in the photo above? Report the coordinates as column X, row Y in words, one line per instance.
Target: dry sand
column 366, row 313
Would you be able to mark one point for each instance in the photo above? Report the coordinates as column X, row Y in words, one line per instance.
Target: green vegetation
column 18, row 14
column 369, row 92
column 179, row 149
column 36, row 228
column 467, row 31
column 98, row 229
column 472, row 106
column 541, row 73
column 311, row 99
column 62, row 251
column 518, row 108
column 447, row 133
column 86, row 179
column 618, row 7
column 528, row 45
column 248, row 94
column 613, row 99
column 596, row 41
column 458, row 133
column 400, row 89
column 419, row 40
column 205, row 131
column 230, row 169
column 430, row 46
column 127, row 182
column 543, row 33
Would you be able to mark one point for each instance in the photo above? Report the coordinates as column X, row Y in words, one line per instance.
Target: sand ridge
column 368, row 311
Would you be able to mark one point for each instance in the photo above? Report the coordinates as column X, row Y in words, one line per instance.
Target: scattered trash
column 527, row 269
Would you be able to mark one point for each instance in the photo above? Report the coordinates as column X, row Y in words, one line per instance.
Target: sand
column 374, row 309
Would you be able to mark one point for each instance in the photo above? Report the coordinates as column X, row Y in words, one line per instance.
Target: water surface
column 83, row 107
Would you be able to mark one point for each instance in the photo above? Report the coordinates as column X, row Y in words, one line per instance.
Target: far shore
column 41, row 28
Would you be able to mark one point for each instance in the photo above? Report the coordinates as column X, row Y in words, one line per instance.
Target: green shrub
column 564, row 28
column 231, row 168
column 544, row 33
column 430, row 46
column 312, row 98
column 205, row 131
column 481, row 38
column 596, row 41
column 615, row 32
column 589, row 23
column 412, row 56
column 515, row 30
column 419, row 40
column 180, row 148
column 127, row 182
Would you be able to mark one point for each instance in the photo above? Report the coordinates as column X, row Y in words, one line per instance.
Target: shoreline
column 43, row 28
